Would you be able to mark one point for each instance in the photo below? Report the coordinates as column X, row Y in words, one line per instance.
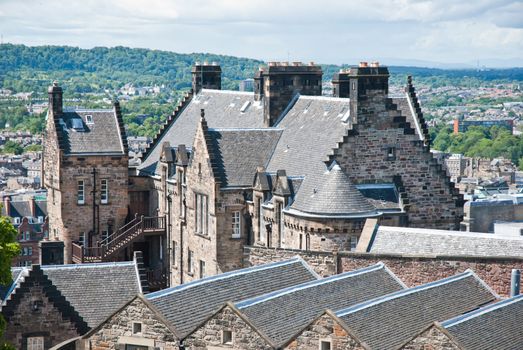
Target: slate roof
column 388, row 322
column 331, row 193
column 498, row 326
column 418, row 241
column 7, row 289
column 238, row 152
column 22, row 208
column 103, row 136
column 312, row 129
column 187, row 306
column 282, row 314
column 223, row 109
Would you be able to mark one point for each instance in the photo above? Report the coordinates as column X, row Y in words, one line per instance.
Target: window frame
column 80, row 192
column 40, row 345
column 236, row 224
column 202, row 268
column 201, row 213
column 323, row 342
column 190, row 261
column 229, row 340
column 133, row 328
column 104, row 191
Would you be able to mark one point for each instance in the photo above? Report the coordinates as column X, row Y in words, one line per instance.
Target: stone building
column 270, row 321
column 85, row 170
column 392, row 321
column 29, row 217
column 46, row 305
column 167, row 317
column 496, row 326
column 287, row 167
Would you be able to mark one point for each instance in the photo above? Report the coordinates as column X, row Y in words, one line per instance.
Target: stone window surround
column 236, row 222
column 227, row 337
column 137, row 328
column 201, row 213
column 80, row 192
column 104, row 191
column 325, row 344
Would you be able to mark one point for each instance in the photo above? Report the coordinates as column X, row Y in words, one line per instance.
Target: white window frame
column 16, row 220
column 190, row 261
column 201, row 213
column 104, row 191
column 35, row 343
column 353, row 242
column 80, row 192
column 89, row 119
column 137, row 324
column 81, row 239
column 236, row 221
column 202, row 268
column 40, row 219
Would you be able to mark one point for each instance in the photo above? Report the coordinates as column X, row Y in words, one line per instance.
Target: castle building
column 287, row 167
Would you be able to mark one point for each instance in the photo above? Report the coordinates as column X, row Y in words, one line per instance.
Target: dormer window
column 89, row 119
column 77, row 124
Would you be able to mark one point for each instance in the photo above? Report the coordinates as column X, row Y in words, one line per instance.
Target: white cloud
column 327, row 31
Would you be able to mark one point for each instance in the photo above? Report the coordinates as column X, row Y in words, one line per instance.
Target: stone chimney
column 341, row 84
column 206, row 76
column 55, row 99
column 367, row 83
column 7, row 205
column 279, row 82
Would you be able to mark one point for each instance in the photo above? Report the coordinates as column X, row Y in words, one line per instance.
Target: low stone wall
column 412, row 270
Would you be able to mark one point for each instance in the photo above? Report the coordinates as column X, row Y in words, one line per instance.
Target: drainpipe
column 167, row 235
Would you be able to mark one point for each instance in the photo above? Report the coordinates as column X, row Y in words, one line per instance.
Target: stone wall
column 209, row 335
column 413, row 271
column 432, row 338
column 47, row 321
column 325, row 328
column 119, row 330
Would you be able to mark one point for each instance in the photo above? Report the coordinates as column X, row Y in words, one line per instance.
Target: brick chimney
column 32, row 204
column 279, row 82
column 55, row 99
column 206, row 76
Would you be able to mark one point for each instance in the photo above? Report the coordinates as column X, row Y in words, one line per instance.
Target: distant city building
column 462, row 125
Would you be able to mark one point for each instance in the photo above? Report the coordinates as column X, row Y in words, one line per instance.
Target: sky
column 427, row 32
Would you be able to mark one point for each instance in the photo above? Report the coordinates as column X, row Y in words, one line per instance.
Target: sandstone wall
column 432, row 338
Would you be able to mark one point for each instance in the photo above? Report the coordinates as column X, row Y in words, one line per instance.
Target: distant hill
column 24, row 68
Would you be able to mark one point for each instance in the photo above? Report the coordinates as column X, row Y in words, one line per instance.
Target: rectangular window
column 325, row 345
column 236, row 224
column 104, row 191
column 280, row 223
column 40, row 219
column 202, row 269
column 353, row 242
column 26, row 236
column 173, row 254
column 201, row 213
column 391, row 153
column 190, row 259
column 16, row 220
column 81, row 239
column 35, row 343
column 227, row 337
column 81, row 192
column 137, row 328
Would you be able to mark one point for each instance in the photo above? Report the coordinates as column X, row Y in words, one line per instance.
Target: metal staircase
column 108, row 249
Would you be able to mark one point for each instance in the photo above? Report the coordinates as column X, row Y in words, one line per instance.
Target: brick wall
column 411, row 270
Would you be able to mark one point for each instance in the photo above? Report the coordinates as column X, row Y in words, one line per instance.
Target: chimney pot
column 363, row 64
column 375, row 64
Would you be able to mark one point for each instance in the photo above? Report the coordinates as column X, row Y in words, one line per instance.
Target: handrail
column 130, row 231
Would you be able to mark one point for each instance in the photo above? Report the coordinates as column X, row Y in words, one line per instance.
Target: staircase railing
column 117, row 240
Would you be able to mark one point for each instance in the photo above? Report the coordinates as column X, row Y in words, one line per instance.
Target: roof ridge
column 86, row 266
column 483, row 310
column 404, row 292
column 222, row 276
column 430, row 231
column 272, row 295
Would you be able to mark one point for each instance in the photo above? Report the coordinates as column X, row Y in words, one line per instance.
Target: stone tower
column 279, row 82
column 206, row 76
column 85, row 171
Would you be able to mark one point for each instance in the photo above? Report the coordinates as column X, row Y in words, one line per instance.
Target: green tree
column 9, row 248
column 13, row 147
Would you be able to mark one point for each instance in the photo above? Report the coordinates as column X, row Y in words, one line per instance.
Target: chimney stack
column 55, row 99
column 206, row 76
column 32, row 203
column 7, row 205
column 515, row 282
column 279, row 82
